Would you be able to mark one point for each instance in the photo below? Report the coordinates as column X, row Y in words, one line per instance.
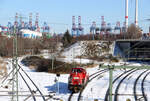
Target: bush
column 45, row 65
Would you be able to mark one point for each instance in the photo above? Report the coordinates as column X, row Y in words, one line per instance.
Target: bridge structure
column 133, row 49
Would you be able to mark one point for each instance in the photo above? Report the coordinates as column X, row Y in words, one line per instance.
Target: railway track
column 91, row 77
column 134, row 88
column 107, row 92
column 31, row 91
column 118, row 86
column 142, row 86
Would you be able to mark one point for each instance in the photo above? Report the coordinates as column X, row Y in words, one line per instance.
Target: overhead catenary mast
column 15, row 96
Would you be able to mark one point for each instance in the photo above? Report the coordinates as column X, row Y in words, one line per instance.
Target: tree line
column 33, row 46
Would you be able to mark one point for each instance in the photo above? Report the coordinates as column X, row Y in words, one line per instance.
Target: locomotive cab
column 77, row 79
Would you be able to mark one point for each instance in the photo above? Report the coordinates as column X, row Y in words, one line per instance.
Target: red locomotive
column 77, row 79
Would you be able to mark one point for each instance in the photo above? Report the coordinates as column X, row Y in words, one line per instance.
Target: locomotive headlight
column 76, row 77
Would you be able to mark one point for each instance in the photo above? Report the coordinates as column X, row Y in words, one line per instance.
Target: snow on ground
column 73, row 51
column 96, row 89
column 147, row 87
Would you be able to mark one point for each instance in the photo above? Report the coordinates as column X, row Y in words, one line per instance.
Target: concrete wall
column 121, row 49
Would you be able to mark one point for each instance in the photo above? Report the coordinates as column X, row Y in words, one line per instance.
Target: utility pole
column 52, row 55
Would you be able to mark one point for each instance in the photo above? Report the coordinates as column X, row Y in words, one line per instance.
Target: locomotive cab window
column 76, row 70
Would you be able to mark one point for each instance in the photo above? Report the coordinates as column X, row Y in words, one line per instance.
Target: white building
column 30, row 34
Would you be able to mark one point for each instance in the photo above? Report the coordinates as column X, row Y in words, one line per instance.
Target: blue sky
column 58, row 13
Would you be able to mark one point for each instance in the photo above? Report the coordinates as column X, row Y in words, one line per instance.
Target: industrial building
column 25, row 29
column 30, row 34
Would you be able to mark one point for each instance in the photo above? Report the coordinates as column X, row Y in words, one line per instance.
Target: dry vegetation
column 45, row 65
column 3, row 68
column 26, row 45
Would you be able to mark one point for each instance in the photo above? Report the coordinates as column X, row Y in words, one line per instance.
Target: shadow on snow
column 63, row 88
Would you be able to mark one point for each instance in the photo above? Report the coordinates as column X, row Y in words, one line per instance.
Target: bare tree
column 134, row 32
